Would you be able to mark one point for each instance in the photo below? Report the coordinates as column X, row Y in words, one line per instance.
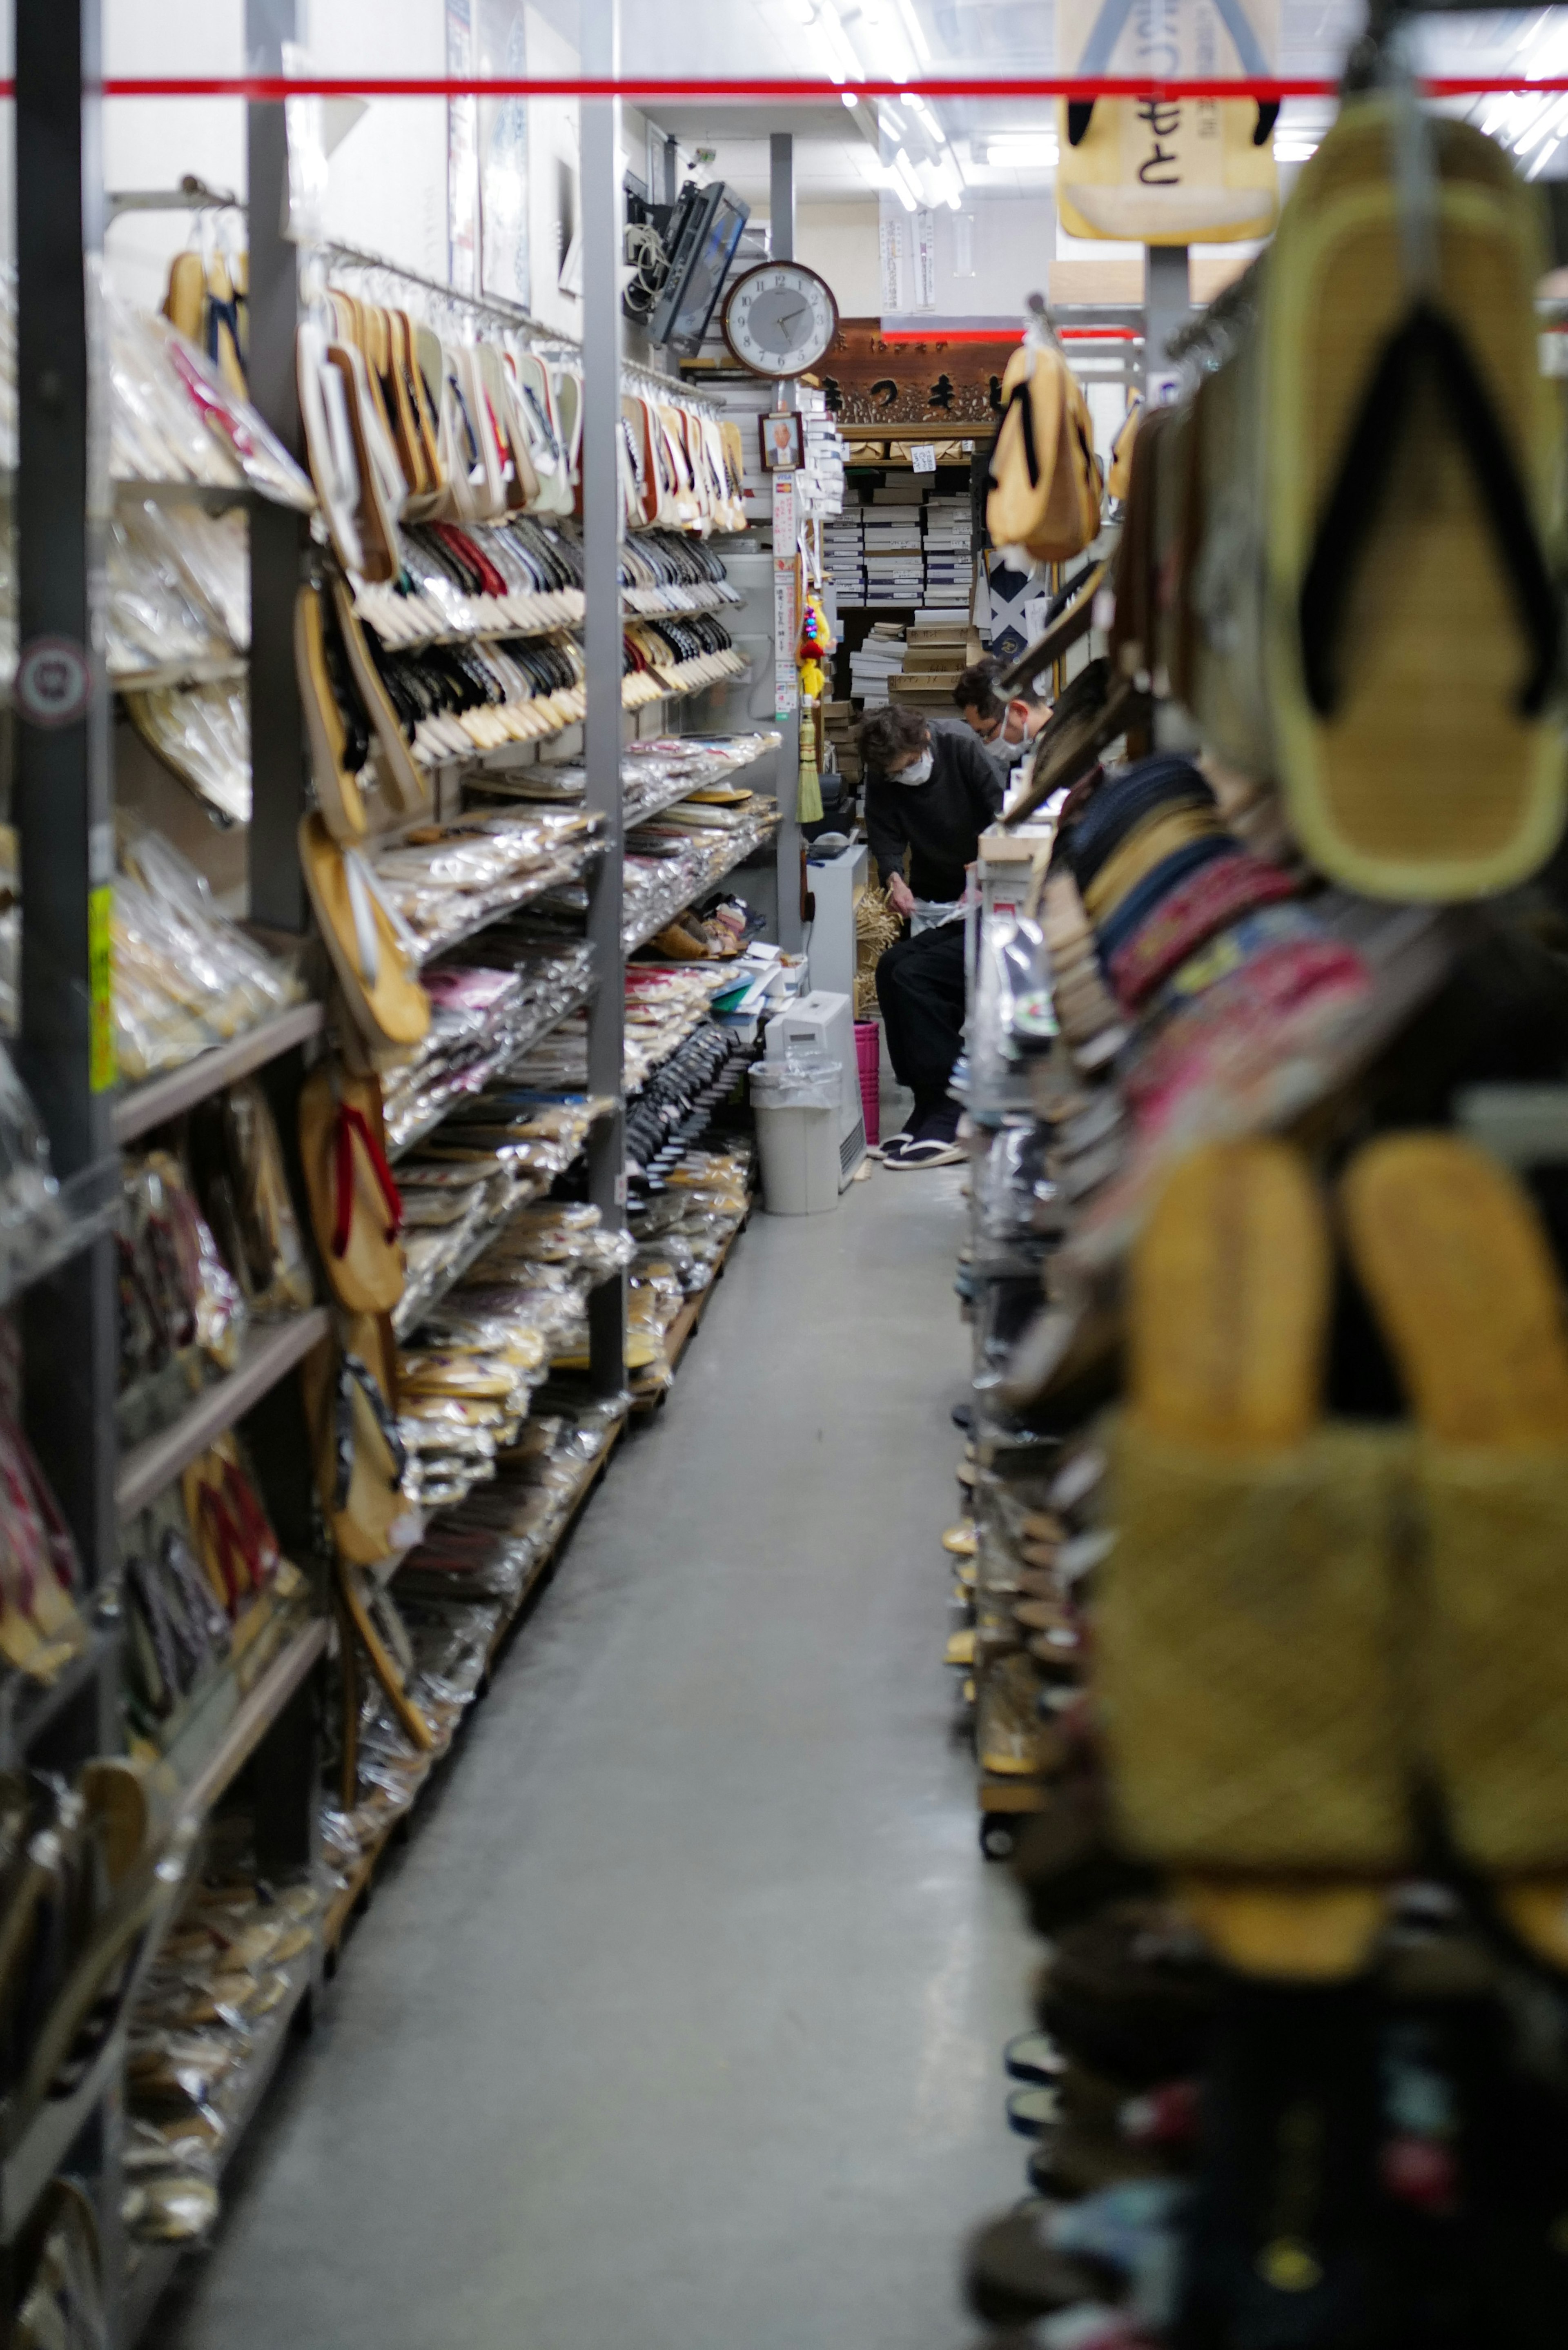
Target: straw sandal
column 356, row 1211
column 1413, row 627
column 1044, row 493
column 405, row 786
column 374, row 954
column 1244, row 1631
column 1453, row 1255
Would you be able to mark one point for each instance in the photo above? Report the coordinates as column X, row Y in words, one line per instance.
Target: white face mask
column 919, row 772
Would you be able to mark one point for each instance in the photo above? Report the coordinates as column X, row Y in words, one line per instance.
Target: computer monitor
column 703, row 236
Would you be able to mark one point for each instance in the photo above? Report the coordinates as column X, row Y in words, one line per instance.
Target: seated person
column 931, row 790
column 1006, row 728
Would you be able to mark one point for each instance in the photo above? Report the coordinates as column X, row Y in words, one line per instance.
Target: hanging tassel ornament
column 815, row 644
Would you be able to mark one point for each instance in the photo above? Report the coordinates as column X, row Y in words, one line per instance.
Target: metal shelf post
column 601, row 215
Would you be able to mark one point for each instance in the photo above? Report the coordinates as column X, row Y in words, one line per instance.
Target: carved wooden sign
column 870, row 379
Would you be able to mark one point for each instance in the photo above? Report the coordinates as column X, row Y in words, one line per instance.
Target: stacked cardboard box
column 950, row 562
column 839, row 725
column 880, row 658
column 935, row 654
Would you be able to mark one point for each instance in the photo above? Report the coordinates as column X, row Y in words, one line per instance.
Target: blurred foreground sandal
column 1242, row 1628
column 1412, row 628
column 372, row 950
column 356, row 1210
column 1453, row 1255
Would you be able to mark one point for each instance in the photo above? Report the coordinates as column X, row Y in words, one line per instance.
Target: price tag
column 923, row 457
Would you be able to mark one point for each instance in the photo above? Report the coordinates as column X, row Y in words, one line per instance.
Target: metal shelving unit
column 261, row 1712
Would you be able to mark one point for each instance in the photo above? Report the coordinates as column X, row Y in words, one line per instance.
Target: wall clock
column 780, row 318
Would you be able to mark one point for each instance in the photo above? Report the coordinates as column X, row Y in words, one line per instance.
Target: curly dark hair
column 890, row 733
column 976, row 689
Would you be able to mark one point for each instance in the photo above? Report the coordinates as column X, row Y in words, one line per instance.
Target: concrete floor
column 678, row 2024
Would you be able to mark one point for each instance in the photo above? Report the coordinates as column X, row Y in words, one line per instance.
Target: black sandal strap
column 1427, row 341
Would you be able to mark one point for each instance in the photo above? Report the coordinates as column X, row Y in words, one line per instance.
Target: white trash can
column 797, row 1105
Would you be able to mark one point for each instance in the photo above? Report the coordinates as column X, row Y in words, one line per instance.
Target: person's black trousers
column 920, row 987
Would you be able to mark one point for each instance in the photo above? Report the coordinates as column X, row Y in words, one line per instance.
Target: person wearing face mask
column 1007, row 729
column 930, row 791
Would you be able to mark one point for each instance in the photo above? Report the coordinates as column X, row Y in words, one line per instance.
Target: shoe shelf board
column 355, row 1890
column 41, row 2150
column 266, row 1355
column 27, row 1707
column 83, row 1223
column 154, row 2265
column 648, row 926
column 475, row 636
column 427, row 1126
column 144, row 1106
column 228, row 1720
column 215, row 496
column 220, row 670
column 687, row 1322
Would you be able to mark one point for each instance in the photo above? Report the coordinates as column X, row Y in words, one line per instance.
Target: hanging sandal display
column 1245, row 1626
column 356, row 1211
column 1414, row 627
column 372, row 950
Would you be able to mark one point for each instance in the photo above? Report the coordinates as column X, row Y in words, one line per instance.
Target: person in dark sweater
column 930, row 791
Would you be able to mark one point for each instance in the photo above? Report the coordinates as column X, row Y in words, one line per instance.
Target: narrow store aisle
column 679, row 2025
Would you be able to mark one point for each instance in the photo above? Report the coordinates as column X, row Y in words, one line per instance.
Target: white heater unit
column 823, row 1026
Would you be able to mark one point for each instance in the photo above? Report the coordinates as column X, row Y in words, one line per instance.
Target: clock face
column 780, row 318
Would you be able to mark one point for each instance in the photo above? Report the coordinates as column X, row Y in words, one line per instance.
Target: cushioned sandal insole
column 1453, row 1255
column 1454, row 1259
column 1243, row 1625
column 1232, row 1286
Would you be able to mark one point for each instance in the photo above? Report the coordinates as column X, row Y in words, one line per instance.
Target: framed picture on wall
column 783, row 442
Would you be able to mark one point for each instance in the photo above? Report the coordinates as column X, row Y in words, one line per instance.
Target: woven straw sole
column 1425, row 782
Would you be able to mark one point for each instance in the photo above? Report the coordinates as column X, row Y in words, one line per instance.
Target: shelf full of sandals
column 339, row 1412
column 163, row 1629
column 1268, row 1575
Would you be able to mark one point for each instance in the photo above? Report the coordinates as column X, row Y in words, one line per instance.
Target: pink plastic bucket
column 869, row 1054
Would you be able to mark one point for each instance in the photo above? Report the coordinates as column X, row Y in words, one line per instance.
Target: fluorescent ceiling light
column 914, row 30
column 949, row 186
column 1022, row 150
column 906, row 182
column 849, row 97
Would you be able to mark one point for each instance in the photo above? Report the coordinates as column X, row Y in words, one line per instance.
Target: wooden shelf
column 161, row 1099
column 267, row 1355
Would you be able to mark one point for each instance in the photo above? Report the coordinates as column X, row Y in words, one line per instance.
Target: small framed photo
column 784, row 442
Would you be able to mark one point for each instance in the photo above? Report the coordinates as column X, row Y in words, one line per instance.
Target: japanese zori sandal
column 1244, row 1633
column 356, row 1210
column 1044, row 493
column 372, row 950
column 1408, row 443
column 1453, row 1256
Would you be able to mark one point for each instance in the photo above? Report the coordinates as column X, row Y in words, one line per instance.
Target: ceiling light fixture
column 908, row 181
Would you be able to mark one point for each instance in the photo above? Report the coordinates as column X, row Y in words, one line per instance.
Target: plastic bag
column 806, row 1082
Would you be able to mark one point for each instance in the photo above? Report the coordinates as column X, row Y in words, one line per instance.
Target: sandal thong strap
column 1428, row 344
column 352, row 1121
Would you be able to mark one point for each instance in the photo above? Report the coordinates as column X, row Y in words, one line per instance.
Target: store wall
column 387, row 174
column 840, row 239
